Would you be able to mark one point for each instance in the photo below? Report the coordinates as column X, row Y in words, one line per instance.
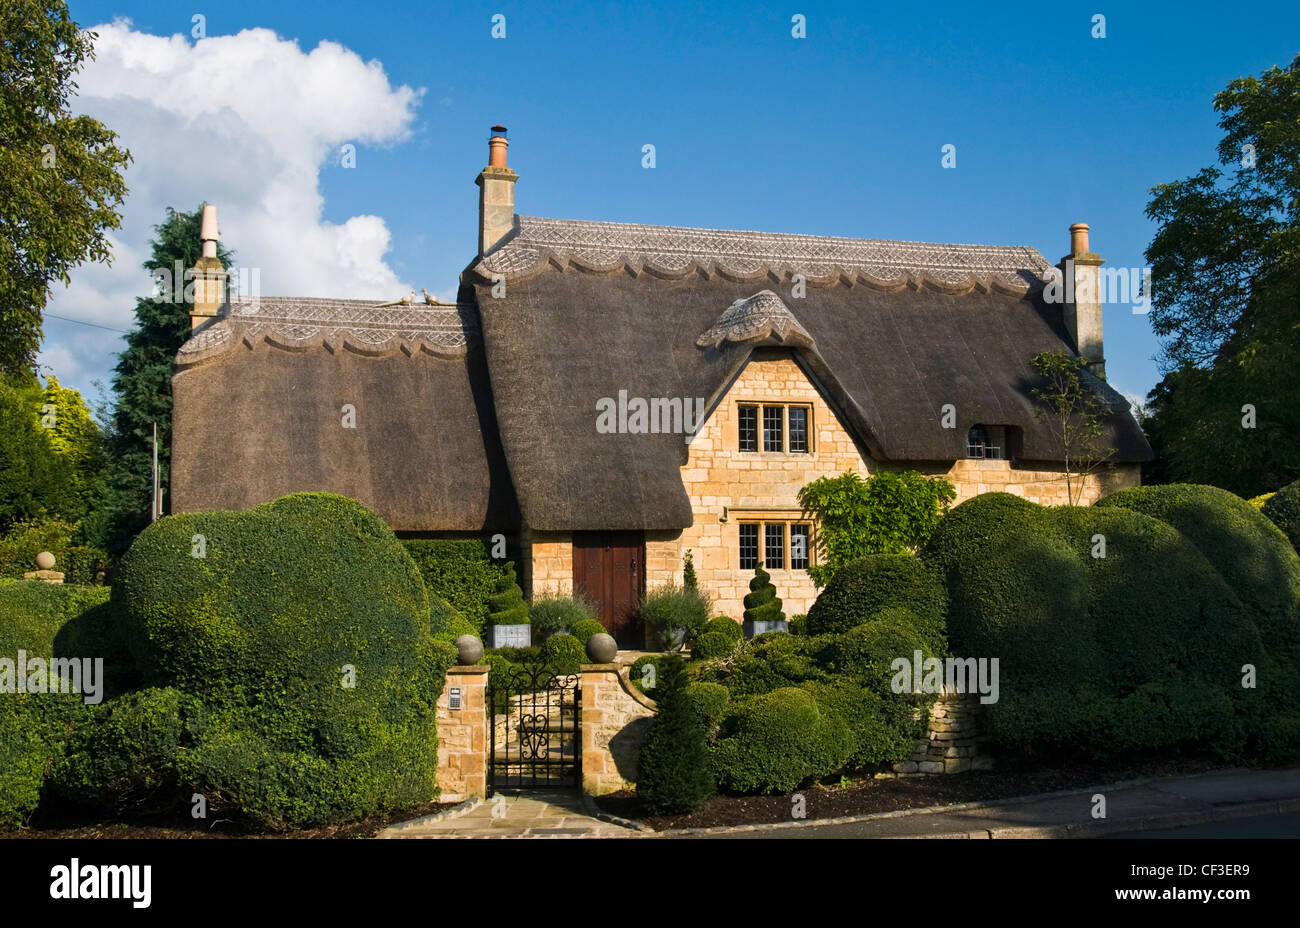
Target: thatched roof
column 892, row 331
column 258, row 412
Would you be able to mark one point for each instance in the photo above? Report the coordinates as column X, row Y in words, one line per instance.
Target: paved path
column 535, row 814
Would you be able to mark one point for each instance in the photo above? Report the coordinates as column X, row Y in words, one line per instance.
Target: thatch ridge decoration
column 674, row 251
column 444, row 330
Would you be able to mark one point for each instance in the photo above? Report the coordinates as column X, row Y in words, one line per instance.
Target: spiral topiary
column 506, row 606
column 762, row 604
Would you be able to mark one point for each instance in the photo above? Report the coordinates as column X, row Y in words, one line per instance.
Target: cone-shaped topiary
column 506, row 606
column 762, row 604
column 688, row 573
column 675, row 774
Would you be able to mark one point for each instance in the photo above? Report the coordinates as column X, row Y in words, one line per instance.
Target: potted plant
column 508, row 613
column 762, row 607
column 554, row 615
column 676, row 613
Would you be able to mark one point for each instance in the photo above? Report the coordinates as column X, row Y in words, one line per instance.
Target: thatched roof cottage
column 610, row 395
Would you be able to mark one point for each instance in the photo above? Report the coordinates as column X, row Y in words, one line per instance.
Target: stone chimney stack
column 209, row 275
column 496, row 199
column 1081, row 275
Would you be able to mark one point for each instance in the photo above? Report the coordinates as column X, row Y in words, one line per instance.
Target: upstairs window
column 992, row 442
column 785, row 429
column 748, row 428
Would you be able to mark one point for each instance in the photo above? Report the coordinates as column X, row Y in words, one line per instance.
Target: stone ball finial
column 469, row 650
column 45, row 561
column 602, row 648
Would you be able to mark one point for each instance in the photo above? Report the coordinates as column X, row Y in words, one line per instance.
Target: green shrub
column 669, row 607
column 78, row 564
column 761, row 602
column 506, row 604
column 709, row 701
column 674, row 774
column 445, row 623
column 50, row 620
column 777, row 740
column 559, row 613
column 864, row 654
column 564, row 653
column 583, row 630
column 689, row 580
column 879, row 581
column 712, row 644
column 646, row 680
column 774, row 660
column 1086, row 643
column 1283, row 509
column 882, row 730
column 799, row 624
column 461, row 571
column 127, row 754
column 280, row 735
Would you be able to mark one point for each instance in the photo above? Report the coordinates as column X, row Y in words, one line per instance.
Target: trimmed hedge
column 1283, row 510
column 674, row 775
column 864, row 654
column 710, row 702
column 79, row 564
column 863, row 587
column 638, row 675
column 259, row 632
column 1137, row 651
column 50, row 620
column 774, row 660
column 777, row 740
column 460, row 571
column 720, row 637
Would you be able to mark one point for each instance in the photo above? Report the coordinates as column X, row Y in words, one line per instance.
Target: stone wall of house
column 463, row 735
column 615, row 719
column 546, row 563
column 727, row 486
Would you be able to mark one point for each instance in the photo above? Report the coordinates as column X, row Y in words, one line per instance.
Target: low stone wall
column 463, row 735
column 615, row 719
column 953, row 739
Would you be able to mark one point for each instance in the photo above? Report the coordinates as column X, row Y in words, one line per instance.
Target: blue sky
column 836, row 134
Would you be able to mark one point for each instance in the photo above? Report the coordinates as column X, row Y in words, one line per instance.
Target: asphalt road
column 1257, row 826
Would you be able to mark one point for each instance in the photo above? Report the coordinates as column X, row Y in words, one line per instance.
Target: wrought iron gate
column 535, row 729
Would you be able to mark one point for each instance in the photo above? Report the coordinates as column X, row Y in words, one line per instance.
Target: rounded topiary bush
column 775, row 741
column 881, row 731
column 1283, row 510
column 710, row 701
column 644, row 673
column 564, row 653
column 674, row 775
column 774, row 660
column 583, row 629
column 1252, row 554
column 720, row 637
column 863, row 587
column 304, row 634
column 865, row 654
column 446, row 623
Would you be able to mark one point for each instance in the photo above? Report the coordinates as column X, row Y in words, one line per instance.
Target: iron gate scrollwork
column 536, row 715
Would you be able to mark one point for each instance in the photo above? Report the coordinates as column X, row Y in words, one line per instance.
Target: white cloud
column 245, row 122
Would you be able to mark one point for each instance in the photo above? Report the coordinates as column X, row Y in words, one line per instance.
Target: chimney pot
column 497, row 146
column 208, row 231
column 1079, row 238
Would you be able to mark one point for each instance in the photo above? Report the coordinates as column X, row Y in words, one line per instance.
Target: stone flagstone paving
column 535, row 814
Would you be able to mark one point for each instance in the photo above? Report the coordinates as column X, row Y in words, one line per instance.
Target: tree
column 1225, row 287
column 1076, row 415
column 74, row 437
column 60, row 175
column 142, row 384
column 675, row 775
column 34, row 480
column 889, row 513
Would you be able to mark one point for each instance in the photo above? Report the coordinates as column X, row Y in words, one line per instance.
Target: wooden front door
column 609, row 569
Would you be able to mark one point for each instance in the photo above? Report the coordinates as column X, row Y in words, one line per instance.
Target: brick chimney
column 1081, row 275
column 209, row 276
column 496, row 199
